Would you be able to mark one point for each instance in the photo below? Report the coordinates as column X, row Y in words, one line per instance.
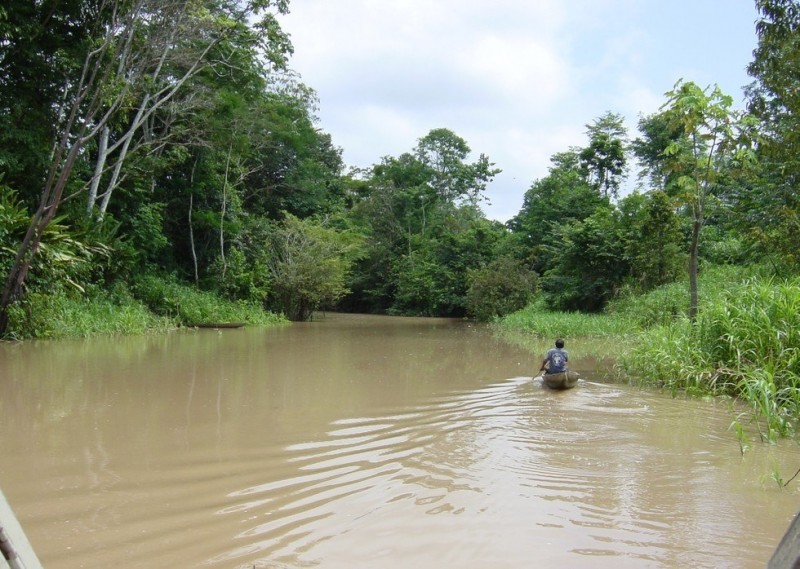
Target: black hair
column 559, row 343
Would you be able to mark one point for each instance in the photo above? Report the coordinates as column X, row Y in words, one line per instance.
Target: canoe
column 563, row 380
column 219, row 325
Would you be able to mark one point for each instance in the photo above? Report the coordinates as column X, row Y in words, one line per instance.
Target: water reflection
column 368, row 441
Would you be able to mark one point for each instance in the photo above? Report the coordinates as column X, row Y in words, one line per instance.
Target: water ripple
column 508, row 452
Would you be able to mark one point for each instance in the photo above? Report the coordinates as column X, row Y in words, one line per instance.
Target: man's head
column 559, row 343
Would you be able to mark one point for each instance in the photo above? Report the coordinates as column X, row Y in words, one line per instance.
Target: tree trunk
column 48, row 206
column 222, row 214
column 191, row 228
column 102, row 154
column 693, row 267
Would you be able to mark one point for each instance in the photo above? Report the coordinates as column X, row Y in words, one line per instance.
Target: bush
column 188, row 306
column 310, row 266
column 502, row 287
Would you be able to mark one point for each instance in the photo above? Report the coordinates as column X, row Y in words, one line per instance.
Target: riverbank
column 745, row 342
column 152, row 305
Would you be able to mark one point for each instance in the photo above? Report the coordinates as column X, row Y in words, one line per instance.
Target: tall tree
column 604, row 160
column 424, row 228
column 103, row 72
column 709, row 143
column 562, row 197
column 649, row 149
column 652, row 238
column 590, row 265
column 770, row 208
column 454, row 179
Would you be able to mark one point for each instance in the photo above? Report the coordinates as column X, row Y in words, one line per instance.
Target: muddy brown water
column 370, row 442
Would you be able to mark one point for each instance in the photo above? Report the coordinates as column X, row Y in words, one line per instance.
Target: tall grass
column 670, row 303
column 188, row 306
column 63, row 316
column 745, row 343
column 154, row 305
column 547, row 324
column 535, row 328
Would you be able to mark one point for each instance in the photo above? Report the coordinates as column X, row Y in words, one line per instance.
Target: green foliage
column 669, row 303
column 538, row 320
column 424, row 230
column 444, row 154
column 503, row 286
column 768, row 208
column 71, row 256
column 603, row 161
column 13, row 222
column 745, row 343
column 187, row 306
column 590, row 265
column 719, row 247
column 241, row 279
column 651, row 239
column 310, row 265
column 657, row 133
column 713, row 138
column 661, row 306
column 146, row 233
column 421, row 286
column 44, row 315
column 551, row 203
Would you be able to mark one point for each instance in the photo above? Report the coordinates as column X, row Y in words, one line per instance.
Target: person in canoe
column 556, row 359
column 556, row 374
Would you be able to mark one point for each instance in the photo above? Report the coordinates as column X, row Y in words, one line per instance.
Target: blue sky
column 518, row 80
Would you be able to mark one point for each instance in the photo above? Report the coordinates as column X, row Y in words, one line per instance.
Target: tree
column 419, row 211
column 104, row 69
column 309, row 266
column 590, row 265
column 710, row 141
column 433, row 279
column 444, row 153
column 604, row 161
column 652, row 238
column 769, row 208
column 649, row 149
column 501, row 287
column 557, row 200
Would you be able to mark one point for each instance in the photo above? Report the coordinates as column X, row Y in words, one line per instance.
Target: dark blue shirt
column 557, row 359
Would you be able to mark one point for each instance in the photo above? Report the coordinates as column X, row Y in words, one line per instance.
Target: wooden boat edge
column 561, row 381
column 218, row 325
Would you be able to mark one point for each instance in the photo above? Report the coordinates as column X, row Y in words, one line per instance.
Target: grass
column 547, row 324
column 535, row 329
column 63, row 316
column 189, row 306
column 745, row 342
column 151, row 305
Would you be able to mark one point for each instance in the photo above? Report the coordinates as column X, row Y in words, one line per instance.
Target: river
column 371, row 442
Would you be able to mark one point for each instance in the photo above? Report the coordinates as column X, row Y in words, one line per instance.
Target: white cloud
column 518, row 80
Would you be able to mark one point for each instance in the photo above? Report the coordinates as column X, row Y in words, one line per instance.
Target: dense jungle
column 161, row 166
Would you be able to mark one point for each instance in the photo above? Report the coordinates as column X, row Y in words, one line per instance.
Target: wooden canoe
column 219, row 325
column 563, row 380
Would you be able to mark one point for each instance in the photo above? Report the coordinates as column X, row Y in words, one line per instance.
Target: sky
column 518, row 80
